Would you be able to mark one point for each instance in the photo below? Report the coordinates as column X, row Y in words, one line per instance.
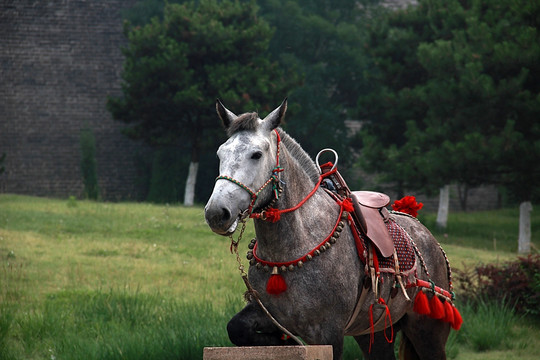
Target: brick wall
column 59, row 60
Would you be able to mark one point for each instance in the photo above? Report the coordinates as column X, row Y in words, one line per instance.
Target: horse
column 264, row 171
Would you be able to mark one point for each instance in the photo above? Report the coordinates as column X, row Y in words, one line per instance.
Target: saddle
column 370, row 213
column 371, row 216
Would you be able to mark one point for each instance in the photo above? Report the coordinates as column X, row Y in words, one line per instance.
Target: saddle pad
column 404, row 250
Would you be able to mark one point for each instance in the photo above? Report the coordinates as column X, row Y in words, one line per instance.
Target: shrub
column 516, row 283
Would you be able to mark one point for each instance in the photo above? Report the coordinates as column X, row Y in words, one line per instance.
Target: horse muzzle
column 221, row 219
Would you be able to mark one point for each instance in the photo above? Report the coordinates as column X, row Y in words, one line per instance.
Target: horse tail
column 406, row 349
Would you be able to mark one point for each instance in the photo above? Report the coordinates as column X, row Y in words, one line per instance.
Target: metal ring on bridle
column 322, row 152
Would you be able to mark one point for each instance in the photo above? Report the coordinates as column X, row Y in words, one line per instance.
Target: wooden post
column 524, row 241
column 444, row 202
column 310, row 352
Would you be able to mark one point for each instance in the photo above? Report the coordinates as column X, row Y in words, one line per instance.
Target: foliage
column 515, row 283
column 393, row 71
column 166, row 183
column 143, row 11
column 321, row 41
column 89, row 164
column 175, row 68
column 463, row 88
column 490, row 325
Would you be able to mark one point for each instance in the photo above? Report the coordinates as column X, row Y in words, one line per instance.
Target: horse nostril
column 226, row 214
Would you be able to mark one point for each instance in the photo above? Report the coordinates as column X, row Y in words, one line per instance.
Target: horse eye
column 257, row 155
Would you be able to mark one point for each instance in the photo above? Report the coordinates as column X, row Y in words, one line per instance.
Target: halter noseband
column 274, row 180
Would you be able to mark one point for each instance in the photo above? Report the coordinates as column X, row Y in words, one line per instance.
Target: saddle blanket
column 404, row 249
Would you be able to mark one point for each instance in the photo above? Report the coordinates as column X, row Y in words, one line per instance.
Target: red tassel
column 448, row 313
column 421, row 304
column 276, row 284
column 272, row 215
column 347, row 205
column 436, row 307
column 458, row 320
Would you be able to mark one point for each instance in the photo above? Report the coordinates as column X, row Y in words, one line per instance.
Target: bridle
column 274, row 180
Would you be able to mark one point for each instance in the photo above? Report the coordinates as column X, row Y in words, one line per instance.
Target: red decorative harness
column 444, row 311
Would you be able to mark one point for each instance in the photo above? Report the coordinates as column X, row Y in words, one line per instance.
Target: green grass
column 494, row 230
column 92, row 280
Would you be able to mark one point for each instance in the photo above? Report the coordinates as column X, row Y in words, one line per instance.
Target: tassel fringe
column 458, row 320
column 276, row 284
column 448, row 313
column 421, row 304
column 437, row 308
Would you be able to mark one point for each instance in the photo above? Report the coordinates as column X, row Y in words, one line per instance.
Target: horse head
column 248, row 164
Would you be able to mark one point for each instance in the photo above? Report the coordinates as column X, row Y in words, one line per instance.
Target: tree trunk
column 463, row 191
column 524, row 241
column 189, row 193
column 444, row 202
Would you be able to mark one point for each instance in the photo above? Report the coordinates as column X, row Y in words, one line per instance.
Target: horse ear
column 273, row 119
column 226, row 116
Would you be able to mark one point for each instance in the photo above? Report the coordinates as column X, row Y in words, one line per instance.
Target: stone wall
column 59, row 60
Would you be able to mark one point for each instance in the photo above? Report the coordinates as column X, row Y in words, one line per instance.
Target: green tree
column 393, row 37
column 175, row 68
column 455, row 84
column 476, row 98
column 483, row 97
column 321, row 40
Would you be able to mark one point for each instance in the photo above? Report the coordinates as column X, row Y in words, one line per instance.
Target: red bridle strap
column 345, row 206
column 273, row 214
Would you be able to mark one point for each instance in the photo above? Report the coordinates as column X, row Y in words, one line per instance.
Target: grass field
column 91, row 280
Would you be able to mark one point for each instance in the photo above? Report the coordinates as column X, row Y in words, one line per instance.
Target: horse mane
column 247, row 121
column 304, row 160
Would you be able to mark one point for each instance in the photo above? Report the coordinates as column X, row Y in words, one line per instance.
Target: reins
column 251, row 291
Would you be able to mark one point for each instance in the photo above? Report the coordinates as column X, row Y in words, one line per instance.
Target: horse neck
column 297, row 232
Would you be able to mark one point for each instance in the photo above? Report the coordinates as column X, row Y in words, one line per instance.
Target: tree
column 482, row 95
column 320, row 40
column 175, row 68
column 479, row 98
column 393, row 72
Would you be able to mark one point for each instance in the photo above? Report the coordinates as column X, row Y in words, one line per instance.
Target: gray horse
column 260, row 165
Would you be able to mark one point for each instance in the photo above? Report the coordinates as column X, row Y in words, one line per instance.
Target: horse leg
column 423, row 338
column 381, row 349
column 251, row 327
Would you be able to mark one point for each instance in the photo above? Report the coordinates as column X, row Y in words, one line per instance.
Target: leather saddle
column 370, row 213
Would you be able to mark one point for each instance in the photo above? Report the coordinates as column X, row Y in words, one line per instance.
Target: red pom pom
column 437, row 308
column 407, row 205
column 421, row 304
column 458, row 320
column 276, row 285
column 272, row 215
column 448, row 312
column 348, row 205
